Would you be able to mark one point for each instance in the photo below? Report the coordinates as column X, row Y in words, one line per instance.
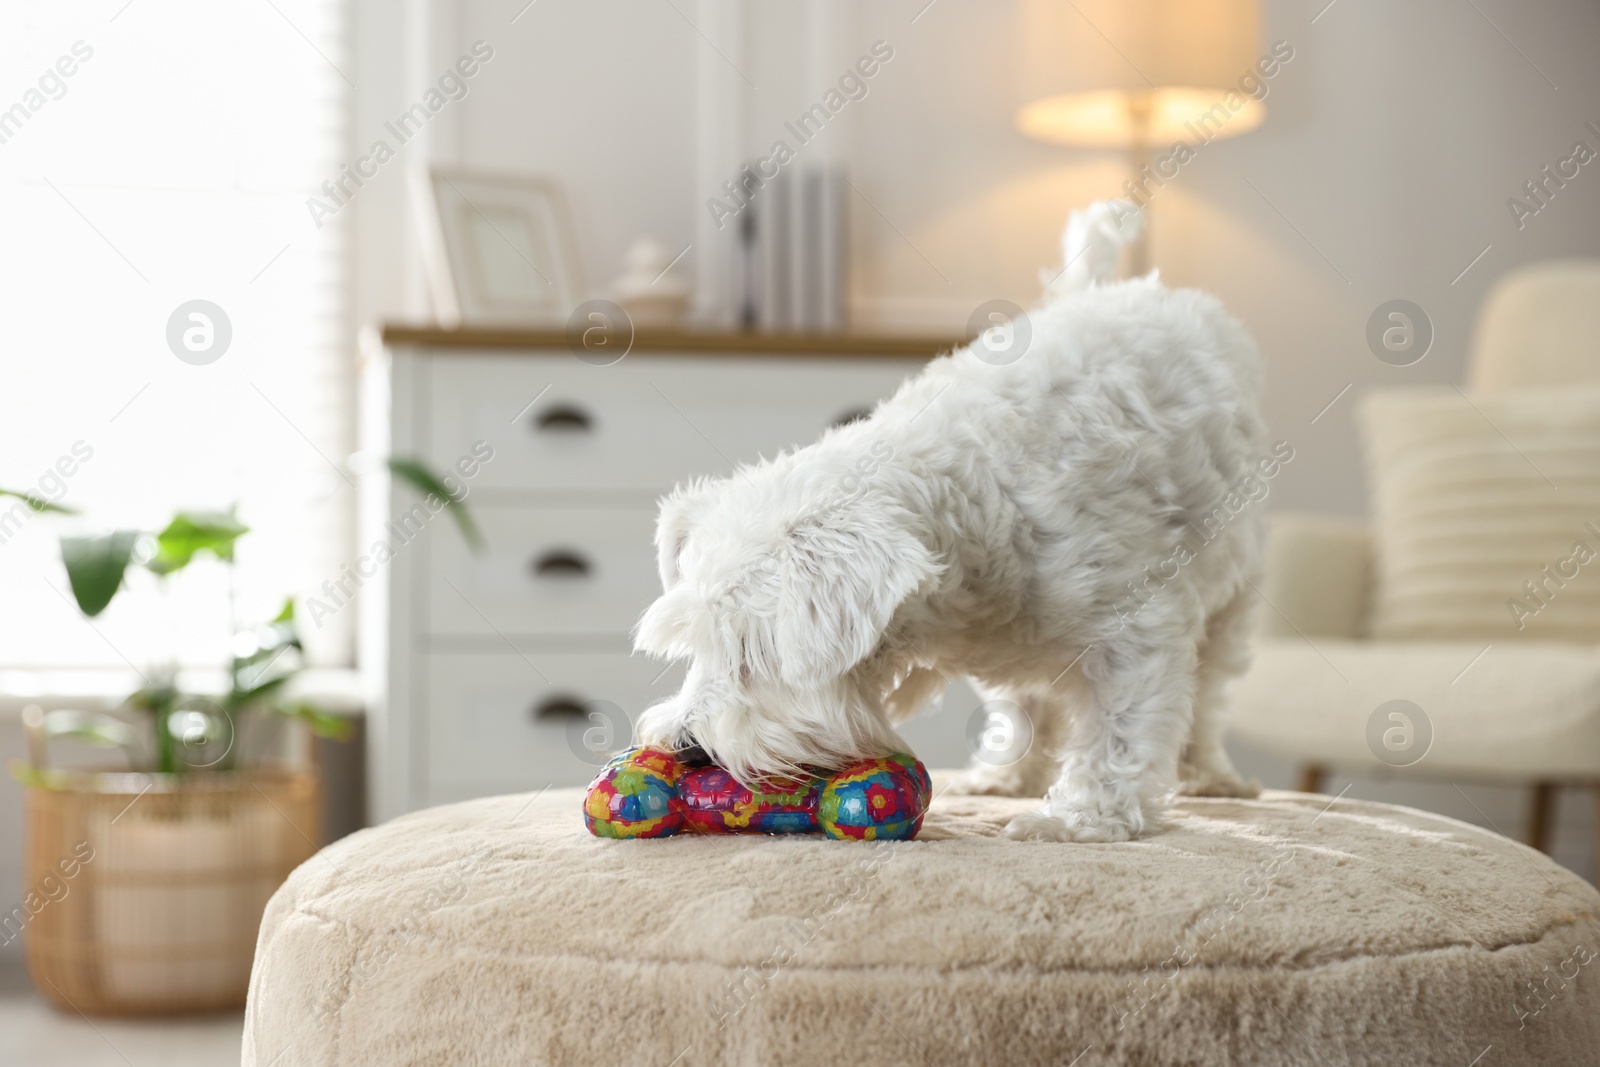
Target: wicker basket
column 151, row 887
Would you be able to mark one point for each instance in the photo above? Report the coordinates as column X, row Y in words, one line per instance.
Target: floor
column 34, row 1034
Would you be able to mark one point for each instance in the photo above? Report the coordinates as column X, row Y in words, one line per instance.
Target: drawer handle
column 564, row 418
column 853, row 415
column 560, row 707
column 561, row 563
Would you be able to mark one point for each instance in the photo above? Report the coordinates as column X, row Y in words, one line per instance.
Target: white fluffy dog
column 1051, row 528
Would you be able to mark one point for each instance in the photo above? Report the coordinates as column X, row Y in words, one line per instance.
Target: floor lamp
column 1141, row 76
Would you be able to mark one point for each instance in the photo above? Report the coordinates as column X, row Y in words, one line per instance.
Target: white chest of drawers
column 481, row 667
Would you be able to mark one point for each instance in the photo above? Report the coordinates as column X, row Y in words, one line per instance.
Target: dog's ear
column 673, row 526
column 663, row 630
column 840, row 583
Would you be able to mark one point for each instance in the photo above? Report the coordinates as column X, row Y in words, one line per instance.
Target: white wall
column 1392, row 142
column 602, row 96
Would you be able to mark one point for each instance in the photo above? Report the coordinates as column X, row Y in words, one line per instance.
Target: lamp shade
column 1123, row 73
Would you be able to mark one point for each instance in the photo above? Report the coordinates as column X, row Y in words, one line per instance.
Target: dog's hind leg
column 1121, row 759
column 1013, row 743
column 919, row 689
column 1205, row 769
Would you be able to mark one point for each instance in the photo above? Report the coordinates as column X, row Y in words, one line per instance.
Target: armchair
column 1509, row 710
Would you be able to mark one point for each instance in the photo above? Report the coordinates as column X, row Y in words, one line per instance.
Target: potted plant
column 149, row 881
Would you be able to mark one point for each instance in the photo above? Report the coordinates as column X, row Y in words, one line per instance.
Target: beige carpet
column 1264, row 932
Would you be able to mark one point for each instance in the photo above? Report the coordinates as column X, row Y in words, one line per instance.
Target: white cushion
column 1263, row 932
column 1475, row 498
column 1318, row 577
column 1519, row 710
column 1539, row 325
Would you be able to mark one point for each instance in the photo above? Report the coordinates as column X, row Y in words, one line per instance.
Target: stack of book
column 794, row 242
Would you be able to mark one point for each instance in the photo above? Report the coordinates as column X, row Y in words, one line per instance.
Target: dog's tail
column 1092, row 244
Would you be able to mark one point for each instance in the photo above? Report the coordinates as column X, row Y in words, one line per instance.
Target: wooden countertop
column 664, row 342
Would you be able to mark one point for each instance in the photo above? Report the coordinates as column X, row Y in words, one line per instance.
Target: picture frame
column 499, row 248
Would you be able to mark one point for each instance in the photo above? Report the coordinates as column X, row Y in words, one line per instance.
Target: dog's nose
column 692, row 754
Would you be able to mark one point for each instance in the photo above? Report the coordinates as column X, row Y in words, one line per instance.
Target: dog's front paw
column 1044, row 826
column 1038, row 826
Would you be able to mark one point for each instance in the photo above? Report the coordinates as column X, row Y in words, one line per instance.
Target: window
column 155, row 153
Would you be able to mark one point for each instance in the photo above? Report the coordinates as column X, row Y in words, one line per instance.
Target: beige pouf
column 1265, row 932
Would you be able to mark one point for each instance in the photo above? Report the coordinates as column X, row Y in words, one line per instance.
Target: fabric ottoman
column 1293, row 929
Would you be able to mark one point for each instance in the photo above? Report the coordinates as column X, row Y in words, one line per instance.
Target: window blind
column 156, row 153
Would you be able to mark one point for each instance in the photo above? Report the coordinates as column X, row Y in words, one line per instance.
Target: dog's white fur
column 1014, row 523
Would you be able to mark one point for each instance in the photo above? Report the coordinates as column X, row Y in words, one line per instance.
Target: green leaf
column 95, row 566
column 195, row 531
column 424, row 481
column 33, row 777
column 323, row 723
column 37, row 502
column 55, row 779
column 157, row 698
column 242, row 698
column 106, row 731
column 269, row 643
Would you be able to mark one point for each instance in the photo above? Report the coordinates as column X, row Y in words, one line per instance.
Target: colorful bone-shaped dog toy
column 648, row 792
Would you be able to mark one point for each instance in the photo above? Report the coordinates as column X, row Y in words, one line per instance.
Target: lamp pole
column 1139, row 106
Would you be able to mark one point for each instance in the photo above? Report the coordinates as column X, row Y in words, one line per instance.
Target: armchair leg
column 1311, row 777
column 1541, row 807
